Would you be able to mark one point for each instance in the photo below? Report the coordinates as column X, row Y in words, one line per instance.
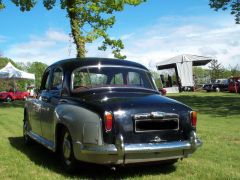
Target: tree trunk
column 76, row 25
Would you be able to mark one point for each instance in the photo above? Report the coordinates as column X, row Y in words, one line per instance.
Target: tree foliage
column 233, row 5
column 36, row 68
column 89, row 20
column 216, row 69
column 1, row 5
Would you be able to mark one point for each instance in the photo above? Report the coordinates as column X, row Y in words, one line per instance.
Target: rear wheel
column 66, row 152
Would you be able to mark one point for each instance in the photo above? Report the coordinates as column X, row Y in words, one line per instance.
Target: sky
column 151, row 32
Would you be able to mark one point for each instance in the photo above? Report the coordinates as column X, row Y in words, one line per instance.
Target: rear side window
column 46, row 80
column 117, row 79
column 57, row 79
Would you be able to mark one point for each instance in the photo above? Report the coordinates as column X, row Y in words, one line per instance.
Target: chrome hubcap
column 66, row 146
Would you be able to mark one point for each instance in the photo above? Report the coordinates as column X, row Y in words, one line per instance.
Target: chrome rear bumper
column 121, row 153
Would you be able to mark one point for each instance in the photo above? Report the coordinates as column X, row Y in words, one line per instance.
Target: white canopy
column 10, row 72
column 183, row 64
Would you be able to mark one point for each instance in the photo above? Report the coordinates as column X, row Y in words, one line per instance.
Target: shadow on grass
column 47, row 159
column 213, row 105
column 15, row 104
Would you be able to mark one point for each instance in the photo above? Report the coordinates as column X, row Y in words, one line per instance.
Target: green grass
column 218, row 158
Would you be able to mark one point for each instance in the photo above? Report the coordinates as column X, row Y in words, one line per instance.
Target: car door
column 50, row 101
column 37, row 105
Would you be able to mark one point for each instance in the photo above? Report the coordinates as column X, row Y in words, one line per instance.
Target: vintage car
column 234, row 85
column 11, row 95
column 108, row 111
column 217, row 86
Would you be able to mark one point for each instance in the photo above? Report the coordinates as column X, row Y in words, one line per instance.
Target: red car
column 11, row 96
column 234, row 85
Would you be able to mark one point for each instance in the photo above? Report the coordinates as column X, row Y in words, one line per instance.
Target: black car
column 108, row 111
column 217, row 86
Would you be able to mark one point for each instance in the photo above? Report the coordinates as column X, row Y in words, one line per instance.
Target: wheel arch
column 60, row 127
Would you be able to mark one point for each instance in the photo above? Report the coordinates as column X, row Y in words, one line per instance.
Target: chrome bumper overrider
column 121, row 153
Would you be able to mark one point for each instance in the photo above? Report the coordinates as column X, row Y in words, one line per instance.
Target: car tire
column 26, row 138
column 66, row 152
column 8, row 99
column 24, row 98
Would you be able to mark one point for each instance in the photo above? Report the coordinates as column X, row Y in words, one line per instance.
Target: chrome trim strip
column 48, row 144
column 157, row 147
column 115, row 66
column 156, row 115
column 140, row 148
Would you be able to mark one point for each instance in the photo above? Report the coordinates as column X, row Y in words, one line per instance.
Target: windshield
column 100, row 77
column 221, row 81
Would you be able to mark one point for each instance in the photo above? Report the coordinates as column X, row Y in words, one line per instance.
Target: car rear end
column 136, row 133
column 155, row 135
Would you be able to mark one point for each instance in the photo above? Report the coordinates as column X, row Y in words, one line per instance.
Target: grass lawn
column 218, row 158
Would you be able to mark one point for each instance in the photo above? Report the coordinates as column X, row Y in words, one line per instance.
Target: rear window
column 95, row 77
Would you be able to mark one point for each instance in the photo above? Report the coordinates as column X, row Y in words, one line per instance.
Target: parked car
column 234, row 84
column 163, row 91
column 11, row 95
column 108, row 111
column 217, row 86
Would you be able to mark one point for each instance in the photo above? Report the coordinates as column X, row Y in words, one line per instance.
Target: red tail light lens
column 194, row 118
column 108, row 118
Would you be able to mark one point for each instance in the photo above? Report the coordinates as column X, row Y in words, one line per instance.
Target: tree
column 89, row 20
column 235, row 70
column 216, row 70
column 202, row 76
column 234, row 5
column 1, row 5
column 37, row 68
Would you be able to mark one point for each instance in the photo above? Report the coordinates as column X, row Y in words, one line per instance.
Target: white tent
column 10, row 72
column 183, row 66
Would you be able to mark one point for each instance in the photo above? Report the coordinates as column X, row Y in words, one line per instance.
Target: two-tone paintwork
column 83, row 113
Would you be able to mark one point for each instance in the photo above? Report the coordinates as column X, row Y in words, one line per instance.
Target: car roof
column 76, row 62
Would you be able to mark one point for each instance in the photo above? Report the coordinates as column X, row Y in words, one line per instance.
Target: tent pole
column 178, row 79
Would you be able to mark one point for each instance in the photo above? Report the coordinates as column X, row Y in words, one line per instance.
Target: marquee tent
column 183, row 67
column 11, row 72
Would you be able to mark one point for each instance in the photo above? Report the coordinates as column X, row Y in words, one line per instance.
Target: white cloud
column 48, row 48
column 174, row 35
column 168, row 37
column 54, row 35
column 126, row 36
column 2, row 38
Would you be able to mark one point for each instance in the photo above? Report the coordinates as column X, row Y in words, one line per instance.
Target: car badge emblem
column 157, row 139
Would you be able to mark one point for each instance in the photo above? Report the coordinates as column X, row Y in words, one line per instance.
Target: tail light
column 194, row 118
column 108, row 119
